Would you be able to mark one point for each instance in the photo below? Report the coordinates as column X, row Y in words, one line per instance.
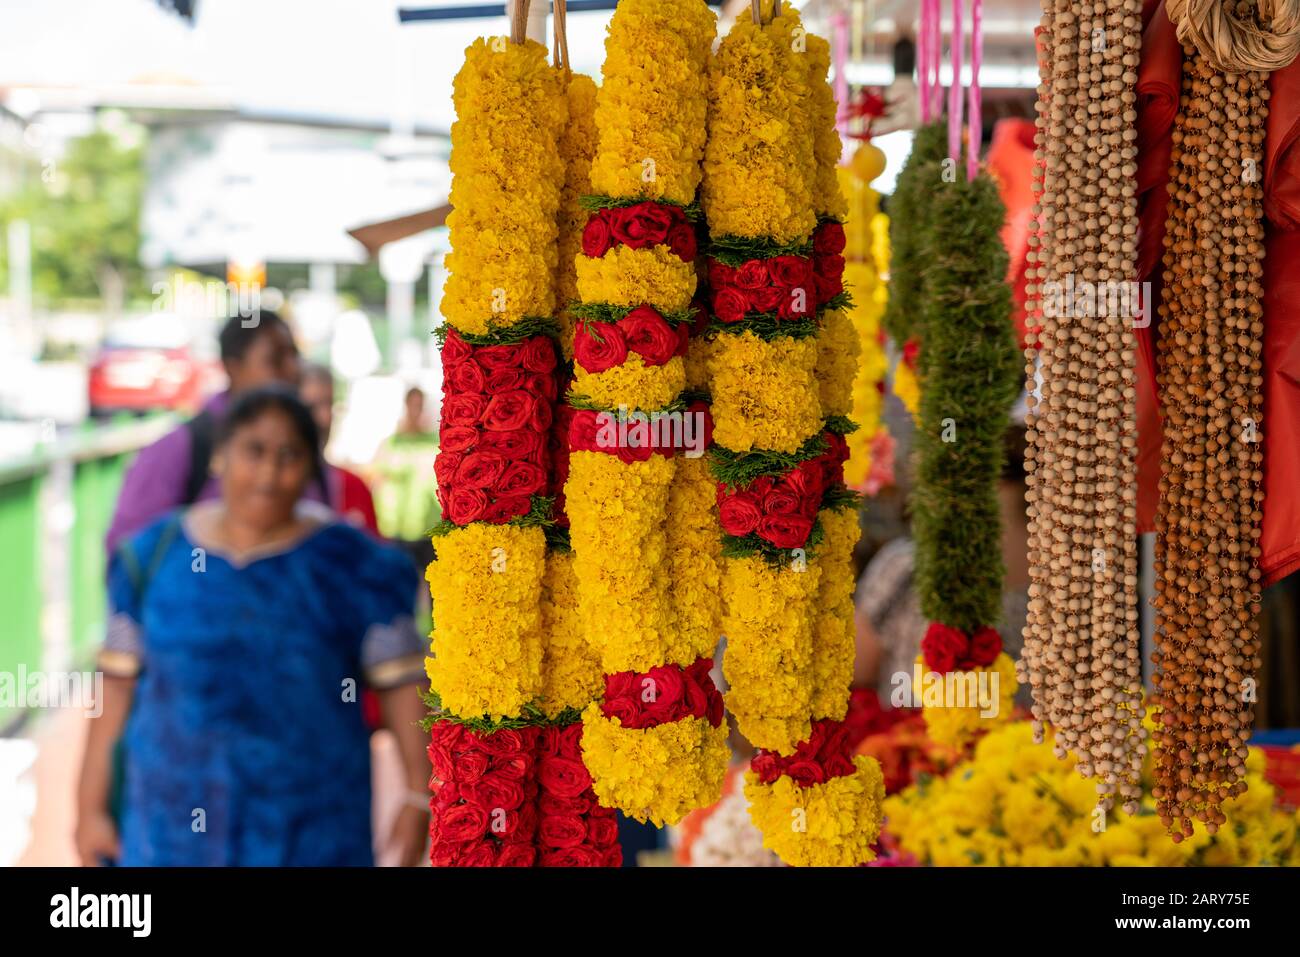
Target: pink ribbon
column 923, row 62
column 954, row 88
column 974, row 117
column 936, row 54
column 840, row 58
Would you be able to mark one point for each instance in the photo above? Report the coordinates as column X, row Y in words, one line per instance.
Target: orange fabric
column 1011, row 162
column 1159, row 80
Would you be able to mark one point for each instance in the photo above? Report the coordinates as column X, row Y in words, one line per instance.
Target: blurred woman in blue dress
column 241, row 632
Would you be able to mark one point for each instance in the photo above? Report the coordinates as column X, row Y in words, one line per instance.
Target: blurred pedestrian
column 174, row 471
column 406, row 487
column 348, row 493
column 240, row 631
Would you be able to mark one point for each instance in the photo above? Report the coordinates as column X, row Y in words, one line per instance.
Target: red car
column 151, row 363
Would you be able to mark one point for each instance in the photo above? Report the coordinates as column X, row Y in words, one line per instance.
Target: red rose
column 444, row 854
column 662, row 685
column 720, row 274
column 739, row 514
column 542, row 384
column 767, row 299
column 805, row 479
column 612, row 856
column 602, row 830
column 480, row 469
column 579, row 856
column 514, row 445
column 785, row 531
column 516, row 767
column 830, row 267
column 730, row 304
column 517, row 855
column 462, row 409
column 455, row 350
column 583, row 430
column 465, row 378
column 790, row 270
column 681, row 240
column 540, row 419
column 444, row 768
column 465, row 505
column 838, row 766
column 563, row 777
column 566, row 830
column 828, row 287
column 548, row 803
column 445, row 465
column 499, row 357
column 796, row 303
column 781, row 501
column 703, row 423
column 508, row 410
column 505, row 742
column 464, row 822
column 943, row 646
column 620, row 684
column 829, row 238
column 469, row 766
column 504, row 380
column 626, row 710
column 596, row 238
column 501, row 510
column 521, row 478
column 494, row 792
column 985, row 646
column 805, row 773
column 752, row 274
column 457, row 438
column 480, row 855
column 648, row 335
column 598, row 346
column 641, row 225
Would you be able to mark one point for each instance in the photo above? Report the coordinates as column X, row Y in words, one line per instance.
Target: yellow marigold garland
column 831, row 824
column 765, row 394
column 577, row 147
column 571, row 673
column 505, row 189
column 650, row 126
column 486, row 584
column 838, row 352
column 694, row 562
column 769, row 621
column 954, row 726
column 655, row 774
column 836, row 633
column 651, row 109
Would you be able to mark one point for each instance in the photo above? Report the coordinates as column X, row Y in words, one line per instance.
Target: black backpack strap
column 203, row 430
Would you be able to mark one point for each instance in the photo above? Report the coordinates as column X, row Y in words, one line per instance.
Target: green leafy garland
column 918, row 183
column 970, row 372
column 525, row 328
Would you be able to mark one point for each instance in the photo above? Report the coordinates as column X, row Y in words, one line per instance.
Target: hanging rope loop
column 1264, row 37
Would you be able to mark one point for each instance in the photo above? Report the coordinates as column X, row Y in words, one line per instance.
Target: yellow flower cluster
column 633, row 384
column 577, row 147
column 697, row 362
column 953, row 726
column 629, row 277
column 758, row 163
column 769, row 623
column 653, row 100
column 571, row 675
column 838, row 349
column 834, row 639
column 657, row 774
column 505, row 190
column 694, row 562
column 616, row 525
column 765, row 394
column 1014, row 803
column 828, row 199
column 907, row 387
column 832, row 824
column 487, row 641
column 869, row 295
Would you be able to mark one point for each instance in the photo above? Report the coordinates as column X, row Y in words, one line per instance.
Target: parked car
column 152, row 362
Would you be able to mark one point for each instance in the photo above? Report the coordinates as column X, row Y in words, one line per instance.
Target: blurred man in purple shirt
column 174, row 471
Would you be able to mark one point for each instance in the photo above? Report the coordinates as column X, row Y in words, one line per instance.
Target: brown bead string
column 1081, row 656
column 1210, row 381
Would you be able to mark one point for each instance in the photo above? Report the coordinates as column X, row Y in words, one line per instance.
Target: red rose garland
column 573, row 829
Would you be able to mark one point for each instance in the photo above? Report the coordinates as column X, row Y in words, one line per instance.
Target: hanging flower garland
column 510, row 669
column 1081, row 652
column 788, row 522
column 1211, row 385
column 656, row 744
